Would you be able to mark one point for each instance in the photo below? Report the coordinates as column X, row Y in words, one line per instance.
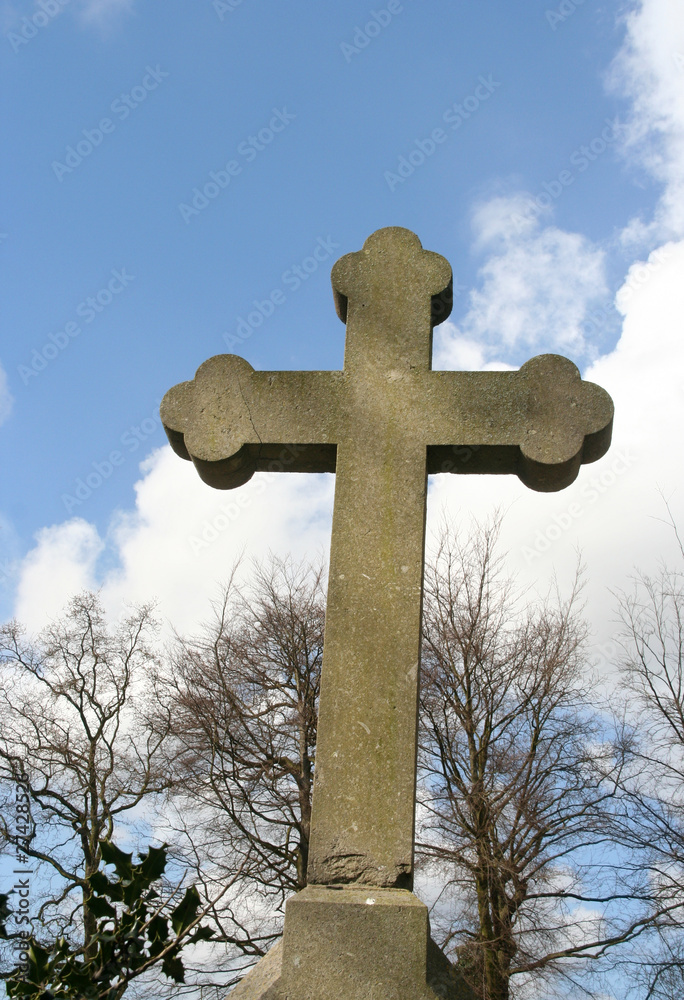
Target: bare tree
column 518, row 776
column 652, row 820
column 518, row 772
column 243, row 697
column 76, row 754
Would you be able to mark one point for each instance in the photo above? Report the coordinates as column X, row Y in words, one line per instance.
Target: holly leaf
column 4, row 914
column 99, row 906
column 113, row 855
column 173, row 968
column 153, row 863
column 186, row 911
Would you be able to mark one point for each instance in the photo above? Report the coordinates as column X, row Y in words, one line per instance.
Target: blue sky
column 560, row 177
column 179, row 180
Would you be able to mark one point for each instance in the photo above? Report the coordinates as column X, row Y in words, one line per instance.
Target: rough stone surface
column 381, row 424
column 262, row 978
column 353, row 943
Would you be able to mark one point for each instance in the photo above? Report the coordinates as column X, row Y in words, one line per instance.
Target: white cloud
column 536, row 288
column 101, row 13
column 178, row 544
column 456, row 352
column 61, row 564
column 6, row 398
column 644, row 372
column 505, row 219
column 650, row 70
column 612, row 513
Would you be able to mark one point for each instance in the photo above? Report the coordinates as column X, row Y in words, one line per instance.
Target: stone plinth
column 353, row 943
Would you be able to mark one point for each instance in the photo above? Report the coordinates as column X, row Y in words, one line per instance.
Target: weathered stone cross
column 382, row 424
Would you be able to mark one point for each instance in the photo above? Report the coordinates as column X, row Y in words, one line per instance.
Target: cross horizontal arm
column 540, row 423
column 233, row 421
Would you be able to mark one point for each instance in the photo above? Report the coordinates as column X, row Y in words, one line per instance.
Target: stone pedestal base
column 353, row 943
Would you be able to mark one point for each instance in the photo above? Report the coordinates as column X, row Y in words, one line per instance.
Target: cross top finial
column 390, row 294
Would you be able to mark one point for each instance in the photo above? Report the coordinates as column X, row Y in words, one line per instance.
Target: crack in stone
column 249, row 412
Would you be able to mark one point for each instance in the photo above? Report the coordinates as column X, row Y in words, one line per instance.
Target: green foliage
column 4, row 915
column 132, row 934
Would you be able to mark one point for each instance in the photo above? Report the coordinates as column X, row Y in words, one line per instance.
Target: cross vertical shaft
column 364, row 793
column 363, row 807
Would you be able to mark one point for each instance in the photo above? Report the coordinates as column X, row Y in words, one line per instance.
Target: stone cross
column 382, row 424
